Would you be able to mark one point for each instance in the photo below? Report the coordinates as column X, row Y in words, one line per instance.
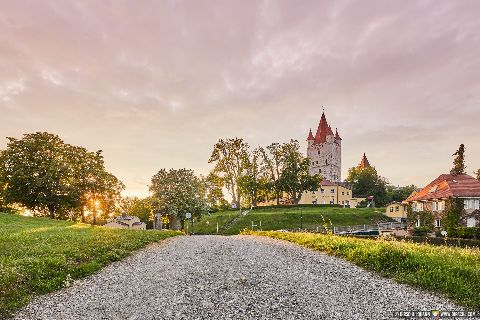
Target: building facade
column 433, row 198
column 325, row 152
column 331, row 193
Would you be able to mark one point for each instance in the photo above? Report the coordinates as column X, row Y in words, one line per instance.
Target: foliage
column 422, row 231
column 272, row 168
column 459, row 161
column 398, row 194
column 452, row 272
column 40, row 255
column 295, row 178
column 213, row 189
column 453, row 213
column 464, row 232
column 177, row 192
column 230, row 157
column 141, row 208
column 250, row 181
column 426, row 219
column 44, row 174
column 367, row 182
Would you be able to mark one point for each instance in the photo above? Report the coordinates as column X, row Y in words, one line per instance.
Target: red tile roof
column 448, row 185
column 364, row 162
column 323, row 130
column 310, row 136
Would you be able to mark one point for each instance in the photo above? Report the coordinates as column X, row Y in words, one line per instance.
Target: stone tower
column 325, row 152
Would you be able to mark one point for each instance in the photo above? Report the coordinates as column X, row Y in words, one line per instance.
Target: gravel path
column 240, row 277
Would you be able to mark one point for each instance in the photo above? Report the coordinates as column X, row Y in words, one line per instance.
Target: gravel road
column 240, row 277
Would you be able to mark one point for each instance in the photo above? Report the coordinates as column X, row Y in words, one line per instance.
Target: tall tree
column 43, row 173
column 367, row 182
column 178, row 192
column 230, row 157
column 295, row 178
column 459, row 161
column 250, row 182
column 213, row 185
column 272, row 167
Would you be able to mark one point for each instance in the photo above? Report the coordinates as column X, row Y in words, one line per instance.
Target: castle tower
column 325, row 152
column 364, row 162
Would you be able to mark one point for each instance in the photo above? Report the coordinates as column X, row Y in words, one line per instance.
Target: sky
column 155, row 84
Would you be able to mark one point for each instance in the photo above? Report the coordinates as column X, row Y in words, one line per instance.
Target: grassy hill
column 289, row 218
column 38, row 255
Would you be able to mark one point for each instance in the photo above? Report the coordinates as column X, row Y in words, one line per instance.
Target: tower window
column 319, row 170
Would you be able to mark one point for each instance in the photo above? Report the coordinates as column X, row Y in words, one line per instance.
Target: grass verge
column 452, row 272
column 38, row 255
column 290, row 218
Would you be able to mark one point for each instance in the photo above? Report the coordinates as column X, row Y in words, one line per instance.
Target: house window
column 319, row 170
column 314, row 202
column 343, row 193
column 438, row 223
column 313, row 192
column 391, row 209
column 441, row 205
column 343, row 202
column 397, row 208
column 417, row 223
column 332, row 190
column 331, row 201
column 471, row 222
column 348, row 193
column 322, row 190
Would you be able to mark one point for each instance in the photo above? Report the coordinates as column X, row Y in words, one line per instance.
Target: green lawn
column 38, row 255
column 450, row 271
column 290, row 218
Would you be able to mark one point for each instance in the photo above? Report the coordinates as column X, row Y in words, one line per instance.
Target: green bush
column 450, row 271
column 421, row 231
column 464, row 233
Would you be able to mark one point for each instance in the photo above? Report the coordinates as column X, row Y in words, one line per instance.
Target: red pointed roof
column 448, row 185
column 364, row 163
column 337, row 136
column 310, row 136
column 323, row 130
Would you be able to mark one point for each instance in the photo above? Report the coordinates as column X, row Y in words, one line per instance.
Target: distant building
column 331, row 193
column 397, row 211
column 325, row 152
column 433, row 198
column 126, row 222
column 364, row 164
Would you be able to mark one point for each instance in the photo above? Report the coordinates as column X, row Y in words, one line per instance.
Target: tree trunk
column 277, row 195
column 51, row 209
column 175, row 222
column 82, row 212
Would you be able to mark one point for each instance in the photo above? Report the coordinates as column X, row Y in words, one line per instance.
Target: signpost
column 188, row 216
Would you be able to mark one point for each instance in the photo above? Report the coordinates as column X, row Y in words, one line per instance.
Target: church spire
column 323, row 130
column 364, row 163
column 310, row 135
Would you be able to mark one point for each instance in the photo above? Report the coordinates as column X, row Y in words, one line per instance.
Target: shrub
column 422, row 231
column 464, row 233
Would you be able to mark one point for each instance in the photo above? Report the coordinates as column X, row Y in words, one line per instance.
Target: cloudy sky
column 156, row 83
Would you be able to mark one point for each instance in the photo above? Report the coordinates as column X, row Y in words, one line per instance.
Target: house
column 126, row 222
column 331, row 193
column 433, row 198
column 397, row 211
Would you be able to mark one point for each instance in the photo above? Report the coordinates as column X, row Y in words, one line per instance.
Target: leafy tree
column 398, row 194
column 250, row 182
column 272, row 167
column 459, row 161
column 178, row 192
column 43, row 173
column 213, row 185
column 138, row 207
column 295, row 178
column 367, row 182
column 230, row 157
column 453, row 213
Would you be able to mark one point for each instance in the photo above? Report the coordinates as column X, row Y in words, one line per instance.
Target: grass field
column 452, row 272
column 38, row 255
column 290, row 218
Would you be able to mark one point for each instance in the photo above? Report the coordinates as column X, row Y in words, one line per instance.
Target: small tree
column 453, row 213
column 178, row 192
column 273, row 162
column 295, row 178
column 459, row 161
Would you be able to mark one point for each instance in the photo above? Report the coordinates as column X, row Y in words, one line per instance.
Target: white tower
column 325, row 152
